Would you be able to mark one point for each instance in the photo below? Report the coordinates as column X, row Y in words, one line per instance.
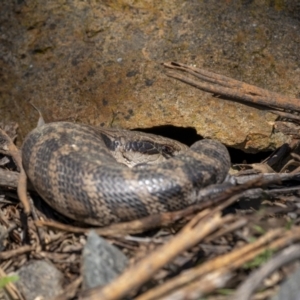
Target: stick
column 246, row 289
column 231, row 88
column 189, row 236
column 7, row 147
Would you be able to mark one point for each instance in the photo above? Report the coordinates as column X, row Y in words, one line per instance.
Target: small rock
column 39, row 278
column 102, row 262
column 289, row 290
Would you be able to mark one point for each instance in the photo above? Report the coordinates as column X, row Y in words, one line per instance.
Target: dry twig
column 231, row 88
column 12, row 253
column 254, row 281
column 272, row 240
column 229, row 261
column 7, row 147
column 196, row 230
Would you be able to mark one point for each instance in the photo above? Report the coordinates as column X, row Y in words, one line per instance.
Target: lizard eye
column 167, row 150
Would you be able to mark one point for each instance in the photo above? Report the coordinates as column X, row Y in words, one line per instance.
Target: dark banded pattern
column 81, row 171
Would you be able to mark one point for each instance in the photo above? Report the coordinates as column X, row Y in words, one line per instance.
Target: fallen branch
column 231, row 88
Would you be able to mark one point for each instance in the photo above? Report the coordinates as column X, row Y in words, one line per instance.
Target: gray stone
column 102, row 262
column 39, row 278
column 290, row 289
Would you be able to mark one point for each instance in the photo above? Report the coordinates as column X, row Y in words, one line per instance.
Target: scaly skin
column 80, row 171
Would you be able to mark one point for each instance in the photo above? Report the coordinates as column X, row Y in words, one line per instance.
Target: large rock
column 100, row 63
